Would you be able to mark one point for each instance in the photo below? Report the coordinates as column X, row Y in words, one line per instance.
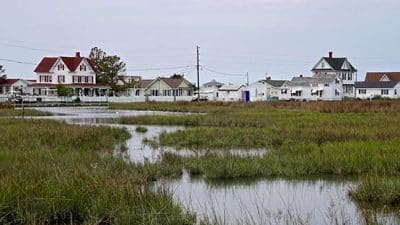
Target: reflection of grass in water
column 55, row 173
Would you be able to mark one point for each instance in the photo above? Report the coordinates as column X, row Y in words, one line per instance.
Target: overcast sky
column 283, row 38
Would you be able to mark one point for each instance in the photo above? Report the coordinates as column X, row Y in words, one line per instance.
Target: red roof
column 71, row 62
column 45, row 65
column 377, row 76
column 50, row 85
column 8, row 81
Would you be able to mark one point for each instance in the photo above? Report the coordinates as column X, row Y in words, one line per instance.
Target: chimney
column 330, row 55
column 78, row 54
column 301, row 75
column 268, row 78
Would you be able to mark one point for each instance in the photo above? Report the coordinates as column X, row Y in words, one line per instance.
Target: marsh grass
column 140, row 129
column 54, row 173
column 12, row 112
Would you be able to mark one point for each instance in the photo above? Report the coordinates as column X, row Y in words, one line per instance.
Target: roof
column 72, row 63
column 307, row 81
column 230, row 87
column 144, row 83
column 8, row 81
column 337, row 63
column 213, row 82
column 51, row 85
column 276, row 83
column 173, row 82
column 376, row 84
column 377, row 76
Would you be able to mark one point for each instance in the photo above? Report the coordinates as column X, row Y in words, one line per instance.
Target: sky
column 278, row 38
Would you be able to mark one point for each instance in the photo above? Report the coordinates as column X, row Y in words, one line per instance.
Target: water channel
column 262, row 201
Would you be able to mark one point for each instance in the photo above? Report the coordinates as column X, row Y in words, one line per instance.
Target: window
column 86, row 79
column 154, row 92
column 79, row 79
column 91, row 79
column 137, row 92
column 45, row 79
column 395, row 91
column 82, row 67
column 349, row 76
column 60, row 66
column 323, row 65
column 61, row 79
column 337, row 93
column 337, row 81
column 344, row 76
column 385, row 91
column 189, row 93
column 362, row 91
column 326, row 85
column 283, row 91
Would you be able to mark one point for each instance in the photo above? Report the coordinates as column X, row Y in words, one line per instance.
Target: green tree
column 63, row 90
column 109, row 69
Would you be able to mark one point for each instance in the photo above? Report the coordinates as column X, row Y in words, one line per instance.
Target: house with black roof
column 341, row 67
column 382, row 84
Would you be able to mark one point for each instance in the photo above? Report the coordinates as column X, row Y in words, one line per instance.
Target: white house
column 75, row 72
column 230, row 93
column 371, row 89
column 209, row 90
column 14, row 86
column 265, row 90
column 167, row 88
column 318, row 87
column 340, row 67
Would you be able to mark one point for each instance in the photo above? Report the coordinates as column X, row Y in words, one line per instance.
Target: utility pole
column 198, row 73
column 247, row 79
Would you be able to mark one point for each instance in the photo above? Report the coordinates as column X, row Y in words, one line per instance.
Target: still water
column 263, row 201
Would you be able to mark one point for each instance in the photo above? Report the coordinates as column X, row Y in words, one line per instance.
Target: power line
column 224, row 73
column 16, row 61
column 162, row 68
column 30, row 48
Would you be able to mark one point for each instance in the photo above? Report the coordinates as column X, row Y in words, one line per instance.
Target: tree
column 109, row 69
column 63, row 90
column 2, row 73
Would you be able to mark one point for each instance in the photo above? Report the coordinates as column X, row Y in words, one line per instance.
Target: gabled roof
column 276, row 83
column 376, row 84
column 45, row 65
column 230, row 87
column 336, row 64
column 213, row 82
column 8, row 81
column 377, row 76
column 72, row 63
column 144, row 83
column 307, row 81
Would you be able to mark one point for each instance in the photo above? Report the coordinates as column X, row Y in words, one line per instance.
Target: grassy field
column 54, row 173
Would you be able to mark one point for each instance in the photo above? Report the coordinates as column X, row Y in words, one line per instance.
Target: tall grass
column 54, row 173
column 325, row 107
column 8, row 112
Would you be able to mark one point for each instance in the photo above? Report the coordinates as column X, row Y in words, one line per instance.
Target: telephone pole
column 247, row 79
column 198, row 73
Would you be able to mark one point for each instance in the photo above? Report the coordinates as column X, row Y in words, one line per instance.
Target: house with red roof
column 14, row 86
column 76, row 72
column 382, row 84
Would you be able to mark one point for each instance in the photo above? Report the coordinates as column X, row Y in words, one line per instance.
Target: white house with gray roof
column 371, row 89
column 340, row 67
column 230, row 93
column 265, row 90
column 316, row 88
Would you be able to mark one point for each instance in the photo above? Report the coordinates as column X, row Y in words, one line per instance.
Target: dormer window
column 323, row 65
